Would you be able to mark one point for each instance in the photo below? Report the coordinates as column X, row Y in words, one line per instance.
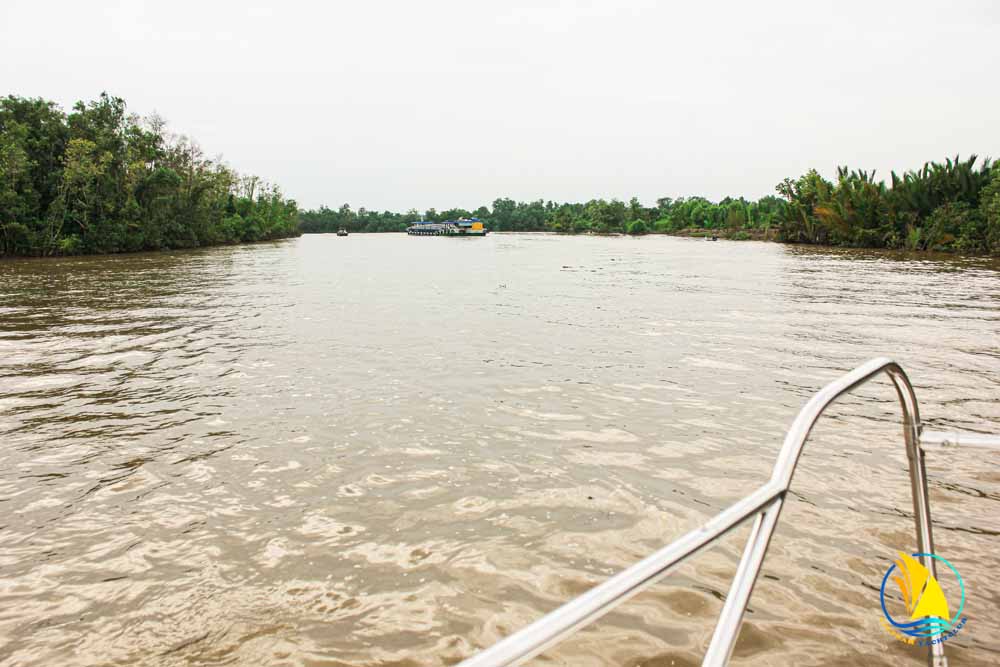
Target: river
column 385, row 450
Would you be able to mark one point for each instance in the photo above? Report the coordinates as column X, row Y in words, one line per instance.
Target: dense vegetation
column 597, row 216
column 953, row 205
column 98, row 180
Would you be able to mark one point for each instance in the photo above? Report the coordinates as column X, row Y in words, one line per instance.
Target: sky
column 399, row 105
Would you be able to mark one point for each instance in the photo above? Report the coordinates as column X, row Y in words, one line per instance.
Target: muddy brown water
column 384, row 450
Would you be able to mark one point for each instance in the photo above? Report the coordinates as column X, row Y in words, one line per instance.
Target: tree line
column 953, row 206
column 101, row 180
column 596, row 216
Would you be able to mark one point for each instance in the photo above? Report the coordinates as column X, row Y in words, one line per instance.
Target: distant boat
column 460, row 227
column 341, row 232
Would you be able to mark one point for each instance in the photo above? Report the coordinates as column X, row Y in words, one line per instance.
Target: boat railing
column 764, row 505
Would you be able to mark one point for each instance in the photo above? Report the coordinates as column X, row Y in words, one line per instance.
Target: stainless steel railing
column 765, row 505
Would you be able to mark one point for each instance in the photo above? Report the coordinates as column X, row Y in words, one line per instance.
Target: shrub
column 638, row 228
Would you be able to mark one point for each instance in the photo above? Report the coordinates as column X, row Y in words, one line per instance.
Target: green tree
column 606, row 217
column 989, row 211
column 638, row 228
column 735, row 215
column 102, row 180
column 800, row 223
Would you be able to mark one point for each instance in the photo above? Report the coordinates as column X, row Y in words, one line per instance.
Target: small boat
column 341, row 232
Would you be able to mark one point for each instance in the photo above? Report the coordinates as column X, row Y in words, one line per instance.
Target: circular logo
column 925, row 613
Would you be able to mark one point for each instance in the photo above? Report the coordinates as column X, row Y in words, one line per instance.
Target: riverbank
column 9, row 259
column 100, row 180
column 728, row 234
column 766, row 235
column 952, row 205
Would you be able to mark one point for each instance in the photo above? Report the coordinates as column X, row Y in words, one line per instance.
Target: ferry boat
column 460, row 227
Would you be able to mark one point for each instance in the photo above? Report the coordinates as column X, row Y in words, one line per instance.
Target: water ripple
column 362, row 452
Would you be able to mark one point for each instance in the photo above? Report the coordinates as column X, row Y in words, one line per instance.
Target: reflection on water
column 383, row 450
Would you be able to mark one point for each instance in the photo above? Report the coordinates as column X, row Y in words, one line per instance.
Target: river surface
column 389, row 451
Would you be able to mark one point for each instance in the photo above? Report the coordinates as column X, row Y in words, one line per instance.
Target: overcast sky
column 393, row 105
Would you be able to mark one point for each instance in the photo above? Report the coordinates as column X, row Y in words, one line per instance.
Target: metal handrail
column 765, row 503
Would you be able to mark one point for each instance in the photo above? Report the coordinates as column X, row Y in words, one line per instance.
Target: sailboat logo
column 927, row 612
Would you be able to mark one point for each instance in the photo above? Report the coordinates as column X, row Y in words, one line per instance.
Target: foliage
column 328, row 220
column 597, row 216
column 942, row 206
column 638, row 227
column 953, row 225
column 954, row 205
column 98, row 180
column 989, row 210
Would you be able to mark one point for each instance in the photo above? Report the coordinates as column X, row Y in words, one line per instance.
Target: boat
column 460, row 227
column 762, row 507
column 341, row 232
